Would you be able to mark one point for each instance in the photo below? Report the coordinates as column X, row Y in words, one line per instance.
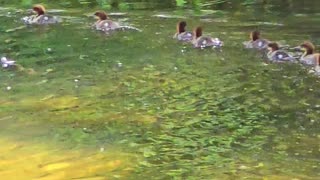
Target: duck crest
column 40, row 9
column 102, row 15
column 309, row 47
column 254, row 35
column 197, row 32
column 181, row 27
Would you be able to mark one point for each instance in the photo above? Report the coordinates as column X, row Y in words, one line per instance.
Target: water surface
column 142, row 106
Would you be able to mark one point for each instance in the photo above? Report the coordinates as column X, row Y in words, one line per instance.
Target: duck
column 200, row 41
column 256, row 42
column 182, row 34
column 40, row 17
column 7, row 63
column 277, row 55
column 104, row 23
column 11, row 65
column 309, row 57
column 107, row 25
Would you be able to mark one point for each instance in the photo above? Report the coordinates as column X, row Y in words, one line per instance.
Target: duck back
column 106, row 25
column 203, row 42
column 280, row 56
column 184, row 36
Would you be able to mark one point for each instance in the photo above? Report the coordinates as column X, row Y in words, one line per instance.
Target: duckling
column 7, row 63
column 200, row 41
column 277, row 55
column 106, row 25
column 11, row 65
column 256, row 42
column 40, row 17
column 182, row 34
column 309, row 57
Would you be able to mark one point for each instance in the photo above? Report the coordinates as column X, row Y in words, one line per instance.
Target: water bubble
column 9, row 88
column 175, row 68
column 76, row 80
column 119, row 64
column 101, row 149
column 49, row 49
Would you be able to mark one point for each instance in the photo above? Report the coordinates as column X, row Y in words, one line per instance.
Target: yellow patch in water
column 50, row 102
column 56, row 166
column 61, row 102
column 25, row 160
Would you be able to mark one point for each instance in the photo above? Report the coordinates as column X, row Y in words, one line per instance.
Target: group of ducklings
column 196, row 37
column 273, row 51
column 276, row 54
column 40, row 17
column 105, row 24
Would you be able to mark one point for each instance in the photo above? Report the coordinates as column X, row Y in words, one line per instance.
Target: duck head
column 254, row 35
column 39, row 9
column 181, row 27
column 273, row 47
column 101, row 15
column 197, row 32
column 308, row 48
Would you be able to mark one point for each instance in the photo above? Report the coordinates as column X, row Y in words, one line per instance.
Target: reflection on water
column 143, row 106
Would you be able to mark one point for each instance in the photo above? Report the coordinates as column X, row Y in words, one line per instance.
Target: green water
column 170, row 111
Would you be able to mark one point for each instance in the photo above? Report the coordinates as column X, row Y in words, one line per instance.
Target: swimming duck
column 277, row 55
column 7, row 63
column 40, row 17
column 200, row 41
column 106, row 25
column 182, row 34
column 256, row 42
column 11, row 65
column 309, row 57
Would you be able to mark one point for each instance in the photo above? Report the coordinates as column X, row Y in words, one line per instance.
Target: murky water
column 142, row 106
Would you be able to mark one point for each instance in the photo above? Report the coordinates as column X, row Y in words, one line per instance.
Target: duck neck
column 307, row 53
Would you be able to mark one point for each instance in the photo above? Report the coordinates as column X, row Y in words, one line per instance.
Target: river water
column 139, row 105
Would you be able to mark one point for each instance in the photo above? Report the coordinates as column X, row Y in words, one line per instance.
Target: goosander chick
column 40, row 16
column 256, row 42
column 200, row 41
column 309, row 57
column 277, row 55
column 182, row 34
column 7, row 63
column 106, row 25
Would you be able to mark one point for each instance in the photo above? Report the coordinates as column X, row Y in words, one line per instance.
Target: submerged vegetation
column 137, row 105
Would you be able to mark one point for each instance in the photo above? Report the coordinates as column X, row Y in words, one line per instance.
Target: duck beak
column 95, row 17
